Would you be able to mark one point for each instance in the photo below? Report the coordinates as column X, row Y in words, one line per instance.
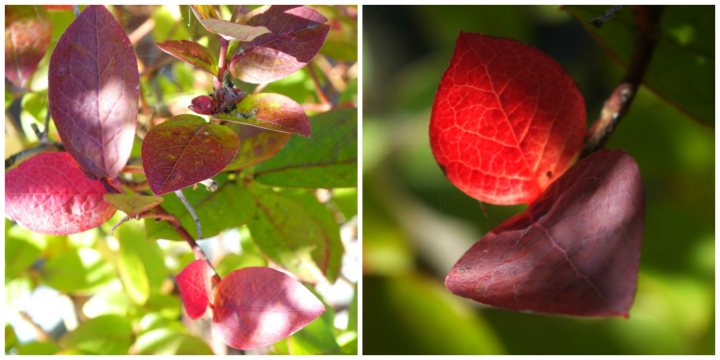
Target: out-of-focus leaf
column 17, row 294
column 271, row 111
column 170, row 342
column 167, row 306
column 93, row 92
column 77, row 271
column 154, row 321
column 19, row 255
column 342, row 40
column 103, row 335
column 11, row 339
column 38, row 348
column 256, row 145
column 110, row 302
column 28, row 30
column 195, row 284
column 229, row 30
column 327, row 160
column 232, row 262
column 140, row 264
column 346, row 200
column 192, row 53
column 316, row 338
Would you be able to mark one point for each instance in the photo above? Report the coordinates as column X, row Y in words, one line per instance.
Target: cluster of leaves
column 264, row 177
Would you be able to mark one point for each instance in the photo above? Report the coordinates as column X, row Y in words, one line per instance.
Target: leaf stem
column 607, row 15
column 318, row 88
column 192, row 212
column 222, row 66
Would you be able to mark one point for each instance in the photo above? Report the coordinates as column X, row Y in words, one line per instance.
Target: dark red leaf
column 185, row 150
column 28, row 31
column 575, row 251
column 297, row 33
column 507, row 120
column 93, row 91
column 271, row 111
column 257, row 306
column 50, row 194
column 192, row 53
column 202, row 105
column 195, row 284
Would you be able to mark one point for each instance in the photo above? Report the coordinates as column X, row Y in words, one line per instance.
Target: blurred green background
column 417, row 224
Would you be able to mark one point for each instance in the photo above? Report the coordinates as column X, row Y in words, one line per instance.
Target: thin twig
column 222, row 66
column 617, row 105
column 259, row 88
column 126, row 218
column 76, row 10
column 192, row 212
column 41, row 335
column 607, row 15
column 45, row 137
column 318, row 88
column 133, row 169
column 141, row 31
column 50, row 146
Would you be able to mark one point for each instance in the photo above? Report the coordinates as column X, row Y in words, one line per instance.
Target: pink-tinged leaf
column 296, row 35
column 507, row 120
column 202, row 105
column 185, row 150
column 50, row 194
column 195, row 284
column 257, row 306
column 93, row 91
column 192, row 53
column 133, row 204
column 28, row 31
column 271, row 111
column 575, row 251
column 229, row 30
column 256, row 145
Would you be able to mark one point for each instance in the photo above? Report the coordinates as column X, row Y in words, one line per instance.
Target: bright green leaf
column 170, row 342
column 232, row 262
column 103, row 335
column 19, row 255
column 38, row 348
column 316, row 338
column 77, row 270
column 109, row 302
column 141, row 263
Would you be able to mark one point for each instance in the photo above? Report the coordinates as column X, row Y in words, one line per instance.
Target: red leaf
column 575, row 251
column 256, row 145
column 257, row 306
column 185, row 150
column 195, row 284
column 50, row 194
column 506, row 121
column 28, row 31
column 93, row 91
column 271, row 111
column 297, row 33
column 192, row 53
column 202, row 105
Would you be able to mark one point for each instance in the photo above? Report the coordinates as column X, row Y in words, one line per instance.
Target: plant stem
column 192, row 212
column 607, row 15
column 318, row 89
column 222, row 66
column 617, row 105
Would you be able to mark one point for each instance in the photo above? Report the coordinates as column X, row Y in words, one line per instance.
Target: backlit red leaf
column 507, row 120
column 185, row 150
column 256, row 145
column 93, row 89
column 50, row 194
column 271, row 111
column 195, row 284
column 297, row 33
column 192, row 53
column 257, row 306
column 575, row 251
column 28, row 31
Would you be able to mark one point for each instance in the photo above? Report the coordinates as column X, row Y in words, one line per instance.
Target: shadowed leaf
column 258, row 306
column 341, row 42
column 133, row 204
column 50, row 194
column 192, row 53
column 229, row 30
column 575, row 251
column 507, row 120
column 256, row 145
column 28, row 31
column 195, row 284
column 185, row 150
column 271, row 111
column 93, row 91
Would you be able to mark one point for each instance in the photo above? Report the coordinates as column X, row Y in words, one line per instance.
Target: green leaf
column 232, row 262
column 103, row 335
column 38, row 348
column 19, row 255
column 11, row 339
column 170, row 342
column 17, row 294
column 297, row 232
column 167, row 22
column 348, row 342
column 327, row 160
column 231, row 205
column 77, row 271
column 256, row 145
column 682, row 70
column 132, row 204
column 316, row 338
column 154, row 321
column 110, row 302
column 141, row 264
column 164, row 305
column 270, row 111
column 346, row 200
column 342, row 40
column 192, row 53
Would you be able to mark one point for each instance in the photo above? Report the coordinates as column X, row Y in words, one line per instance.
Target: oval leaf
column 575, row 251
column 258, row 306
column 195, row 284
column 256, row 145
column 229, row 30
column 93, row 92
column 51, row 195
column 271, row 111
column 185, row 150
column 507, row 120
column 191, row 53
column 297, row 33
column 28, row 31
column 133, row 204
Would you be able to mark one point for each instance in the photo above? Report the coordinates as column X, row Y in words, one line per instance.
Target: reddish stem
column 321, row 95
column 222, row 66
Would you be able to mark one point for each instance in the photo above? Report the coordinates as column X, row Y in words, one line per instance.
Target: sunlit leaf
column 103, row 335
column 132, row 204
column 195, row 284
column 271, row 111
column 170, row 342
column 77, row 271
column 256, row 145
column 192, row 53
column 229, row 30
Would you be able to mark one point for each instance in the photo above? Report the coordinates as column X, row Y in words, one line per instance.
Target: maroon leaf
column 271, row 111
column 192, row 53
column 256, row 145
column 195, row 284
column 202, row 105
column 507, row 120
column 28, row 31
column 50, row 194
column 257, row 306
column 93, row 92
column 229, row 30
column 575, row 251
column 297, row 33
column 185, row 150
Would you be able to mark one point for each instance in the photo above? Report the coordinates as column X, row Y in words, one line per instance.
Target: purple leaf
column 93, row 89
column 574, row 251
column 28, row 31
column 192, row 53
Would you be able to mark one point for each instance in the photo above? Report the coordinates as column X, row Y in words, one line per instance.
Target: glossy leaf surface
column 50, row 194
column 575, row 251
column 185, row 150
column 229, row 30
column 296, row 35
column 28, row 31
column 132, row 204
column 192, row 53
column 93, row 90
column 506, row 121
column 195, row 284
column 327, row 160
column 256, row 145
column 258, row 306
column 273, row 112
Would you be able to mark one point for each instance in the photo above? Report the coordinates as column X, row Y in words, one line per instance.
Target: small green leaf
column 346, row 200
column 316, row 338
column 103, row 335
column 77, row 271
column 11, row 339
column 232, row 262
column 170, row 342
column 133, row 204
